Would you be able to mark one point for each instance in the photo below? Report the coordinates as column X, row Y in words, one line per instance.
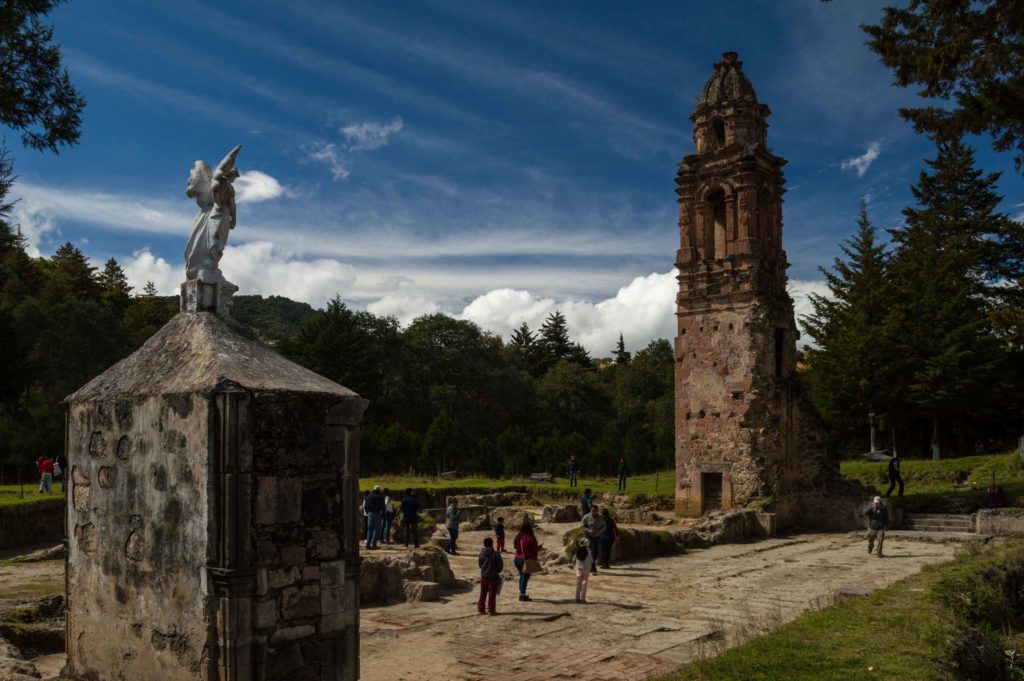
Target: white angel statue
column 215, row 195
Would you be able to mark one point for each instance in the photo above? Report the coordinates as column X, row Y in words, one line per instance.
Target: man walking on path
column 491, row 566
column 574, row 470
column 878, row 522
column 894, row 474
column 623, row 474
column 593, row 525
column 374, row 506
column 410, row 518
column 451, row 523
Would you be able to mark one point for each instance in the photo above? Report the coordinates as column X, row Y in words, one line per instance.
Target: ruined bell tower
column 738, row 436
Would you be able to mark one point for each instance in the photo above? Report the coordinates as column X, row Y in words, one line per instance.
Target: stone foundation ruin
column 745, row 432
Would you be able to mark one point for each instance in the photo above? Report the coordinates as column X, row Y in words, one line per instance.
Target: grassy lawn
column 653, row 484
column 10, row 495
column 899, row 632
column 953, row 483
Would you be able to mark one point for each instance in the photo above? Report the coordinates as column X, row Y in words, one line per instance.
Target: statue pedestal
column 199, row 296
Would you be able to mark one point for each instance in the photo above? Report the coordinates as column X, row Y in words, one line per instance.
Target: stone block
column 300, row 602
column 277, row 579
column 422, row 591
column 332, row 573
column 332, row 600
column 278, row 500
column 311, row 573
column 266, row 613
column 324, row 544
column 292, row 633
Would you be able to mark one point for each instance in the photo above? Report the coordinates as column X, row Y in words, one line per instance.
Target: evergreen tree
column 146, row 314
column 847, row 374
column 969, row 52
column 946, row 351
column 620, row 354
column 527, row 350
column 555, row 344
column 114, row 286
column 70, row 274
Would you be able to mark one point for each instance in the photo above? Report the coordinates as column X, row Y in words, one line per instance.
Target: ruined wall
column 137, row 521
column 305, row 461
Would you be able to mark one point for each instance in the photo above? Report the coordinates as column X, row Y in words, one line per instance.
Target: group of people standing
column 599, row 532
column 572, row 468
column 379, row 514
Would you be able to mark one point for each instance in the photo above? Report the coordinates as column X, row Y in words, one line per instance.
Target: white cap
column 878, row 500
column 376, row 488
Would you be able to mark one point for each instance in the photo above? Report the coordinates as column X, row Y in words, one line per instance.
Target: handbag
column 532, row 565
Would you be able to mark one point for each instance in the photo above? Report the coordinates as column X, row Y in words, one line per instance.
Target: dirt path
column 643, row 618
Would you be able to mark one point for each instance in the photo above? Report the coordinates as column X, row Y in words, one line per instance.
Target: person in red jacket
column 526, row 547
column 46, row 474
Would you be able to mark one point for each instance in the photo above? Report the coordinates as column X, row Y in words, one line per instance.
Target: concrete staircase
column 938, row 522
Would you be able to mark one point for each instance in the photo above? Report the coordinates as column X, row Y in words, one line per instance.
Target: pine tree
column 621, row 355
column 555, row 344
column 947, row 353
column 115, row 289
column 848, row 372
column 70, row 274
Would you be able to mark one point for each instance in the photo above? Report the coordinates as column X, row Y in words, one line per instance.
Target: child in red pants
column 490, row 572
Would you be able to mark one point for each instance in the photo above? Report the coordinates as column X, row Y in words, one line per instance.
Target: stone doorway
column 711, row 492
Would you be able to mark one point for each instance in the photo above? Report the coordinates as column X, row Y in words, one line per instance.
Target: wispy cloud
column 327, row 153
column 370, row 135
column 863, row 162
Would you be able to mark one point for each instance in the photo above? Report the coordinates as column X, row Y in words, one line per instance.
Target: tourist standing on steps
column 490, row 573
column 574, row 469
column 527, row 548
column 585, row 501
column 593, row 526
column 878, row 523
column 451, row 523
column 583, row 560
column 374, row 506
column 410, row 518
column 623, row 474
column 894, row 474
column 387, row 518
column 611, row 533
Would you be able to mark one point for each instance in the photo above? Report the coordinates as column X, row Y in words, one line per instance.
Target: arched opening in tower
column 716, row 202
column 718, row 133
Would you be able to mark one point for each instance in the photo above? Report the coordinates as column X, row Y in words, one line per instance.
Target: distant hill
column 273, row 318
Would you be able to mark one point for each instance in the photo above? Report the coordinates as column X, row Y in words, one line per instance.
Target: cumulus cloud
column 35, row 222
column 800, row 292
column 863, row 162
column 144, row 267
column 254, row 186
column 368, row 136
column 328, row 155
column 403, row 308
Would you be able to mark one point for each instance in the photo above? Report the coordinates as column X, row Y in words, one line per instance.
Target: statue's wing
column 229, row 161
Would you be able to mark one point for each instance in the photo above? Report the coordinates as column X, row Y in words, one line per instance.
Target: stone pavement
column 643, row 619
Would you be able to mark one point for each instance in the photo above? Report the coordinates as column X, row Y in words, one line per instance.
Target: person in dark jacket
column 623, row 474
column 585, row 501
column 608, row 537
column 894, row 475
column 410, row 518
column 573, row 468
column 878, row 522
column 490, row 573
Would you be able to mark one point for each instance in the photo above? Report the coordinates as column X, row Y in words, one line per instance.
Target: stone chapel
column 744, row 432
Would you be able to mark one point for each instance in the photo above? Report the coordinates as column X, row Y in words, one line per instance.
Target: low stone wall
column 1000, row 522
column 24, row 524
column 419, row 575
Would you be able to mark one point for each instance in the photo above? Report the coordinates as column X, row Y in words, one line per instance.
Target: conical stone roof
column 198, row 352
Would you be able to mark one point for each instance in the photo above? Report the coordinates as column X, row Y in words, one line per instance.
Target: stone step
column 938, row 523
column 940, row 537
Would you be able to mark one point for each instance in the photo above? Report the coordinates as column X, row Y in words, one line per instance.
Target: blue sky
column 490, row 160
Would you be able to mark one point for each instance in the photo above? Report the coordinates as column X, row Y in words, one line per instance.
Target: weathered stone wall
column 32, row 523
column 306, row 607
column 137, row 521
column 1000, row 522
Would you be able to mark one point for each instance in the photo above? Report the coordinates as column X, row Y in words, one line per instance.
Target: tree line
column 926, row 331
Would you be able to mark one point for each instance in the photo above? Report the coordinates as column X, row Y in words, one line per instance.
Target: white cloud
column 144, row 267
column 367, row 136
column 254, row 186
column 328, row 154
column 800, row 292
column 403, row 308
column 35, row 222
column 863, row 162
